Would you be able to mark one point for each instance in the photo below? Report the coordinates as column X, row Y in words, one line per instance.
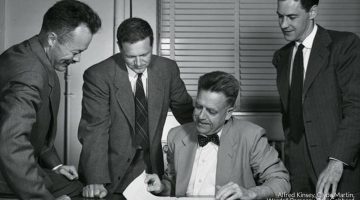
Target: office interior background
column 236, row 36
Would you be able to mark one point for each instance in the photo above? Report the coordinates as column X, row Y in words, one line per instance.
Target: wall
column 2, row 25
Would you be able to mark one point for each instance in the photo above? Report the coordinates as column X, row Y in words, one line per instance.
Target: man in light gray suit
column 113, row 153
column 219, row 155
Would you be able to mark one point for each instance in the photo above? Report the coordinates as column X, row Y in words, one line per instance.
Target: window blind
column 238, row 37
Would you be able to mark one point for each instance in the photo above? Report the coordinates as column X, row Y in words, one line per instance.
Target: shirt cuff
column 331, row 158
column 57, row 167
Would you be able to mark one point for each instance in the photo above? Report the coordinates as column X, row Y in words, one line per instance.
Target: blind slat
column 238, row 37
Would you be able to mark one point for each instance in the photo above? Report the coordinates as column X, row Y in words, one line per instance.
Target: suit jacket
column 331, row 101
column 29, row 102
column 244, row 157
column 108, row 118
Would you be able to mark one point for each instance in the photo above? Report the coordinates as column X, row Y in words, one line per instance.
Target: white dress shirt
column 133, row 77
column 308, row 43
column 203, row 176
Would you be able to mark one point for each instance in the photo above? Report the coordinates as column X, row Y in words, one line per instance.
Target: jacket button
column 128, row 160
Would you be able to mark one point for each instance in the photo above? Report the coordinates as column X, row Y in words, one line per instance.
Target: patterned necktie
column 203, row 140
column 141, row 115
column 295, row 100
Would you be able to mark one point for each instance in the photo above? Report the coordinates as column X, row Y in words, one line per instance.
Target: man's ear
column 119, row 45
column 52, row 38
column 313, row 12
column 229, row 112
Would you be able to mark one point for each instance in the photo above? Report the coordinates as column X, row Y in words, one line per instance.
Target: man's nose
column 76, row 58
column 138, row 61
column 284, row 23
column 202, row 114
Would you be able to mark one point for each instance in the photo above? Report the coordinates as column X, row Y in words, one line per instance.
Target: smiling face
column 137, row 55
column 211, row 111
column 62, row 54
column 295, row 22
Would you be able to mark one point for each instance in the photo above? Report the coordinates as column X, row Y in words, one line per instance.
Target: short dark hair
column 223, row 82
column 133, row 30
column 307, row 4
column 64, row 16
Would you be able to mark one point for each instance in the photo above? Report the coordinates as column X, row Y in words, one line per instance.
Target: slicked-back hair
column 307, row 4
column 66, row 15
column 133, row 30
column 220, row 82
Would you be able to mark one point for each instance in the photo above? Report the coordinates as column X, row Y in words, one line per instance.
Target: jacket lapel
column 155, row 98
column 185, row 161
column 53, row 80
column 123, row 92
column 318, row 57
column 225, row 155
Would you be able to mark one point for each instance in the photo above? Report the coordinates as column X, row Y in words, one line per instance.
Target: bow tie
column 203, row 140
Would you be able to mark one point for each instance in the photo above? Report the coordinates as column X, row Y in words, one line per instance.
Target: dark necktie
column 141, row 115
column 203, row 140
column 295, row 100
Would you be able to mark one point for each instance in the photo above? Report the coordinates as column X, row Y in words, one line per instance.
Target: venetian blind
column 238, row 37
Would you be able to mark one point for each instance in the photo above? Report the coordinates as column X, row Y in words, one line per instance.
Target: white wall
column 2, row 25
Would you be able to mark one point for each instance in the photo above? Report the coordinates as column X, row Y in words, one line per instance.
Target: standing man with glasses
column 30, row 167
column 125, row 103
column 318, row 77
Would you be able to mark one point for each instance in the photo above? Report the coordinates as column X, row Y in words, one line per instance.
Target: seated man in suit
column 218, row 155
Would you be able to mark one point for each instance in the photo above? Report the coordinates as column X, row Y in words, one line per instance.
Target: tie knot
column 203, row 140
column 139, row 75
column 300, row 47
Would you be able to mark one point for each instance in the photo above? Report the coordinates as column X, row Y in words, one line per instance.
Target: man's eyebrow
column 288, row 15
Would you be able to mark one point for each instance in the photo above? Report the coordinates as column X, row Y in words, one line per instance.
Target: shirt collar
column 218, row 133
column 134, row 75
column 309, row 40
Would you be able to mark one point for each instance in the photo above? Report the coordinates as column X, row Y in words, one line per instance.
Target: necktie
column 141, row 115
column 203, row 140
column 295, row 100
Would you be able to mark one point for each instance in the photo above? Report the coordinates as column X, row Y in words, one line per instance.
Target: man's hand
column 94, row 190
column 68, row 171
column 232, row 191
column 63, row 197
column 154, row 183
column 330, row 177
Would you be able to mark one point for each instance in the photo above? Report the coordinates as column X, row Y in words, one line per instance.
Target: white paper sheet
column 137, row 190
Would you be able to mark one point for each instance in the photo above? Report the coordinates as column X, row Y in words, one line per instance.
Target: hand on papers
column 329, row 178
column 68, row 171
column 94, row 190
column 63, row 197
column 154, row 183
column 232, row 191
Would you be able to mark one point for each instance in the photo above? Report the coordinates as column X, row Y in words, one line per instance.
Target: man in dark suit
column 113, row 153
column 218, row 155
column 29, row 101
column 321, row 114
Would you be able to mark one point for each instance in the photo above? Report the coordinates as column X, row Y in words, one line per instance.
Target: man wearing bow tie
column 218, row 155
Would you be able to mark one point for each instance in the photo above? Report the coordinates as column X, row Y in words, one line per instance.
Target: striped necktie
column 141, row 115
